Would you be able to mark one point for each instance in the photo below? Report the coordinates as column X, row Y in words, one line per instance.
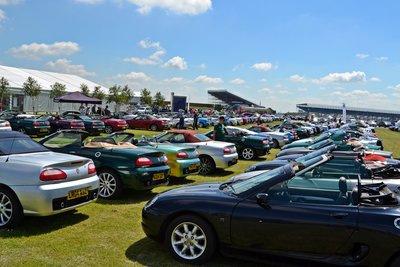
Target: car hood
column 206, row 191
column 212, row 144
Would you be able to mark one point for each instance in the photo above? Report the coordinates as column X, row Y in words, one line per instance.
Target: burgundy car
column 145, row 121
column 114, row 125
column 58, row 122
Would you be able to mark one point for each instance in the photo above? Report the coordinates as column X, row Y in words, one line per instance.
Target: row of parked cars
column 331, row 199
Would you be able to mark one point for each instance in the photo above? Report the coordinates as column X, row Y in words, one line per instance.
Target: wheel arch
column 12, row 191
column 392, row 259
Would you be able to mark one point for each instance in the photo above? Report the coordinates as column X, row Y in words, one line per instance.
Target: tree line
column 120, row 95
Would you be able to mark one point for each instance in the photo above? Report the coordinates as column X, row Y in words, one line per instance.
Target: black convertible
column 280, row 214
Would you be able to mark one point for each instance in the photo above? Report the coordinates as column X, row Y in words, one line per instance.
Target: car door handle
column 339, row 215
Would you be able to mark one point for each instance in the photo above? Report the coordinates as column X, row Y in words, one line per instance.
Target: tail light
column 91, row 168
column 182, row 155
column 36, row 123
column 52, row 174
column 165, row 160
column 7, row 124
column 265, row 142
column 227, row 151
column 47, row 123
column 143, row 162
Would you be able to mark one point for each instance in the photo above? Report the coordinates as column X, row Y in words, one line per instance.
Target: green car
column 183, row 161
column 311, row 141
column 119, row 165
column 27, row 124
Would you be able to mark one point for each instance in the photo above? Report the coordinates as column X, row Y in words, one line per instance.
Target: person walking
column 220, row 130
column 82, row 109
column 107, row 112
column 195, row 120
column 94, row 109
column 181, row 121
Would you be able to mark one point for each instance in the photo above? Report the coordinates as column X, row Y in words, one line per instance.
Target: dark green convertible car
column 27, row 124
column 119, row 165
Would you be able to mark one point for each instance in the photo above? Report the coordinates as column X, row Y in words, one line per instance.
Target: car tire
column 247, row 153
column 110, row 184
column 201, row 125
column 11, row 212
column 21, row 130
column 275, row 143
column 108, row 129
column 395, row 262
column 191, row 240
column 207, row 165
column 153, row 127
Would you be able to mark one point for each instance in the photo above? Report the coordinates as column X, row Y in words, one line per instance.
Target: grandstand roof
column 230, row 99
column 307, row 107
column 17, row 77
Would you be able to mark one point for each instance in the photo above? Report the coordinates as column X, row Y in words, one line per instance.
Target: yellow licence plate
column 73, row 194
column 158, row 176
column 44, row 130
column 193, row 167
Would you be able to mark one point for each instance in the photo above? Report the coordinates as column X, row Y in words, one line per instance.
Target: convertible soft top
column 12, row 134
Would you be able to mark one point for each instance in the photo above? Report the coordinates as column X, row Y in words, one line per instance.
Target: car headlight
column 150, row 203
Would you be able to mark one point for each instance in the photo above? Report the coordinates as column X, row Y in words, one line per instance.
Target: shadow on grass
column 220, row 173
column 129, row 196
column 32, row 226
column 151, row 253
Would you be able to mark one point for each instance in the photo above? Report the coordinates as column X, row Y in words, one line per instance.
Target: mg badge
column 97, row 154
column 397, row 223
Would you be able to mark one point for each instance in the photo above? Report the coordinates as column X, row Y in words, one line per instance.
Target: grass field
column 108, row 233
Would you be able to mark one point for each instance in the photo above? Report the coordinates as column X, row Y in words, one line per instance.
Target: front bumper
column 8, row 128
column 49, row 199
column 226, row 161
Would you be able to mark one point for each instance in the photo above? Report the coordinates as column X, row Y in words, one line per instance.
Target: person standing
column 220, row 130
column 82, row 109
column 107, row 112
column 195, row 120
column 181, row 120
column 94, row 109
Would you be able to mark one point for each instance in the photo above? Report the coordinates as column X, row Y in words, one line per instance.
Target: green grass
column 109, row 232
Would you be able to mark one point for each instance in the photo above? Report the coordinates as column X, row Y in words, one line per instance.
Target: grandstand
column 223, row 97
column 367, row 112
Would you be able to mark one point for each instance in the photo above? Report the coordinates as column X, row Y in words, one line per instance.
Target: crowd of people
column 93, row 110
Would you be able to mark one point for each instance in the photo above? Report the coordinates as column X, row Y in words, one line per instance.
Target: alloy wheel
column 6, row 209
column 108, row 185
column 108, row 129
column 247, row 153
column 188, row 240
column 206, row 165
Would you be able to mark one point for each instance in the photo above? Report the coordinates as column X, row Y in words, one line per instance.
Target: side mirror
column 262, row 199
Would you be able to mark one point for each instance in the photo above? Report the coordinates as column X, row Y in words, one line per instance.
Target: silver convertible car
column 37, row 182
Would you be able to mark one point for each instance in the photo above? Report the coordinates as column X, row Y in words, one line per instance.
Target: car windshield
column 245, row 185
column 20, row 146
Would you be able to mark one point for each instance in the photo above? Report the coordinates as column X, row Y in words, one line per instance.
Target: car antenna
column 12, row 144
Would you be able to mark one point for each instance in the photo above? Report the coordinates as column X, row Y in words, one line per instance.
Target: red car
column 145, row 121
column 114, row 125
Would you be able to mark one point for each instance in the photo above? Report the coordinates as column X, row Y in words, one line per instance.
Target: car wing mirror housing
column 262, row 199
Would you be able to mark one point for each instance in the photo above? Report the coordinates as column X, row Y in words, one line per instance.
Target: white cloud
column 283, row 92
column 237, row 67
column 238, row 81
column 176, row 62
column 263, row 80
column 381, row 58
column 297, row 78
column 263, row 66
column 148, row 44
column 375, row 79
column 174, row 80
column 140, row 61
column 65, row 66
column 395, row 87
column 156, row 56
column 10, row 2
column 344, row 77
column 202, row 66
column 184, row 7
column 265, row 90
column 357, row 94
column 337, row 77
column 362, row 56
column 36, row 51
column 134, row 76
column 206, row 79
column 90, row 2
column 2, row 15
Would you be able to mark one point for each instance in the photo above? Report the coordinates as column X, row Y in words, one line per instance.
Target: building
column 353, row 111
column 17, row 76
column 223, row 97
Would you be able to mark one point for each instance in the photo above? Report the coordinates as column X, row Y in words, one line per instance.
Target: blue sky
column 278, row 53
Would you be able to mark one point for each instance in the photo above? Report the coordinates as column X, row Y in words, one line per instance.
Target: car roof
column 12, row 134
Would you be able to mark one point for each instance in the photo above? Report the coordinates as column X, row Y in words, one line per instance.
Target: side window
column 179, row 138
column 63, row 140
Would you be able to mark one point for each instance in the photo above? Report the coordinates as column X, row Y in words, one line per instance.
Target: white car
column 5, row 125
column 38, row 182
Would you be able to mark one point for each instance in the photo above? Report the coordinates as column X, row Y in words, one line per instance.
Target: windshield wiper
column 229, row 184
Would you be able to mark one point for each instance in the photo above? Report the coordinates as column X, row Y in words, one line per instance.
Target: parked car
column 300, row 132
column 118, row 165
column 148, row 122
column 92, row 126
column 144, row 110
column 212, row 154
column 279, row 139
column 114, row 125
column 5, row 125
column 183, row 161
column 37, row 182
column 58, row 122
column 280, row 213
column 248, row 145
column 27, row 124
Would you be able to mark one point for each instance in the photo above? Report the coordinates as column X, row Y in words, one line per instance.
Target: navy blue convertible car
column 280, row 214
